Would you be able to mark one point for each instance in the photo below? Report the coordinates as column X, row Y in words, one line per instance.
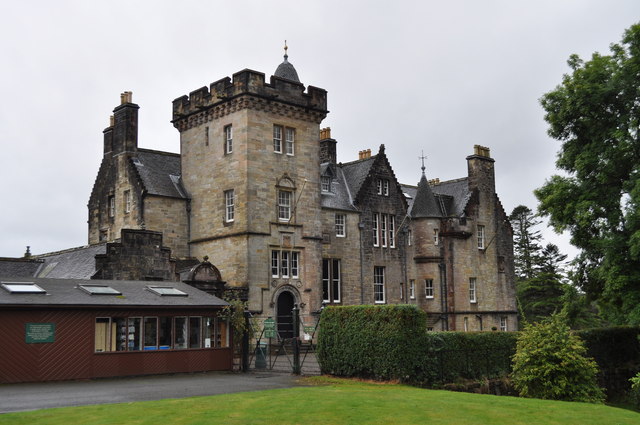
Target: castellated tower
column 250, row 164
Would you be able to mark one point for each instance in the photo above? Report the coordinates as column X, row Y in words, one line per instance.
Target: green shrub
column 550, row 363
column 376, row 342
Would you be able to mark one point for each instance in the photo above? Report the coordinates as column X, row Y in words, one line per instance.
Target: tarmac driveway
column 32, row 396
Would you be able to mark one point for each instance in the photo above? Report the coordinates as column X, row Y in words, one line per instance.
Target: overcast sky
column 432, row 76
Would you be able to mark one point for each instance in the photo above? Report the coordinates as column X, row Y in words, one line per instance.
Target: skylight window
column 99, row 290
column 165, row 291
column 22, row 288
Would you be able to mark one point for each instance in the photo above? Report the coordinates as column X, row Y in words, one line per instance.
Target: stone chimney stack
column 327, row 146
column 125, row 126
column 481, row 170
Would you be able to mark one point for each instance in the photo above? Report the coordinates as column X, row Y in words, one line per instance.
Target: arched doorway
column 284, row 314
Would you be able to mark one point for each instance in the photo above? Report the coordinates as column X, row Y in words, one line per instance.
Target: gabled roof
column 66, row 293
column 356, row 172
column 160, row 173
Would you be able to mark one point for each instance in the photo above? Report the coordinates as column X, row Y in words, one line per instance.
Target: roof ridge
column 159, row 152
column 64, row 251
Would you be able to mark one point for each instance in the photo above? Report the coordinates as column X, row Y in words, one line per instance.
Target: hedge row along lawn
column 336, row 401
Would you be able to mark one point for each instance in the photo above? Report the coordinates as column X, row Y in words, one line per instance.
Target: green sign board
column 309, row 329
column 36, row 333
column 269, row 328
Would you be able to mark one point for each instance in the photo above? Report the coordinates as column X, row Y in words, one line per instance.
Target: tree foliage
column 595, row 113
column 526, row 240
column 550, row 363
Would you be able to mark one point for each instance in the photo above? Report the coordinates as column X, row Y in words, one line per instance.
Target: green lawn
column 333, row 401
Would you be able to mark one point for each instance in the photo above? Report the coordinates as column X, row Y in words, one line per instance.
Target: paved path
column 32, row 396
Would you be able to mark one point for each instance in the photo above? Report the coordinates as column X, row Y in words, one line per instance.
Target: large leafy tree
column 595, row 113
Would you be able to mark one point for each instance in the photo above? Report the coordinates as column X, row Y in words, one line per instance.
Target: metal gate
column 280, row 348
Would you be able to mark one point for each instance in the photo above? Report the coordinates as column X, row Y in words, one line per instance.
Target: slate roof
column 453, row 195
column 340, row 197
column 160, row 173
column 19, row 267
column 424, row 202
column 74, row 263
column 356, row 172
column 287, row 71
column 66, row 293
column 458, row 192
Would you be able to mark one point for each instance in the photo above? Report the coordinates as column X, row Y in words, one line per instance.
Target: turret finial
column 286, row 56
column 423, row 157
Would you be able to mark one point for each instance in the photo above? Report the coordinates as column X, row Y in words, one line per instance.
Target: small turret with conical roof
column 425, row 204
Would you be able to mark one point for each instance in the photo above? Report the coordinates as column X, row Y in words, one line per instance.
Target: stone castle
column 257, row 189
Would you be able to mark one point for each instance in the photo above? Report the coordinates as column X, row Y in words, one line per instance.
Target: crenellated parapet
column 248, row 89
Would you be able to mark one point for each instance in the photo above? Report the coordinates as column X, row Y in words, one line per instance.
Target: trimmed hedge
column 391, row 342
column 471, row 355
column 376, row 342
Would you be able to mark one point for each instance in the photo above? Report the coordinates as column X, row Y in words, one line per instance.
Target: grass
column 336, row 401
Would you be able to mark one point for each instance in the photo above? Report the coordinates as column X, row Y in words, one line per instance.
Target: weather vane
column 423, row 157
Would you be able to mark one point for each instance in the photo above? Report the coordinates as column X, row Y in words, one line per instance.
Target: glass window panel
column 164, row 333
column 119, row 333
column 134, row 333
column 150, row 333
column 208, row 328
column 180, row 330
column 195, row 332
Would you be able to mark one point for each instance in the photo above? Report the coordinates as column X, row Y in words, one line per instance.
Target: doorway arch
column 284, row 314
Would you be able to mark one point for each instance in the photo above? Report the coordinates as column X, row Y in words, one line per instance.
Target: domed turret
column 285, row 69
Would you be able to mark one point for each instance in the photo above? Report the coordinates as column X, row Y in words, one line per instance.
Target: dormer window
column 326, row 183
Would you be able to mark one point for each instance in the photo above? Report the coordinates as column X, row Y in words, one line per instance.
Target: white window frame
column 290, row 136
column 341, row 225
column 436, row 237
column 277, row 138
column 295, row 264
column 331, row 280
column 379, row 285
column 112, row 206
column 473, row 290
column 503, row 323
column 284, row 205
column 428, row 288
column 409, row 237
column 228, row 139
column 412, row 289
column 229, row 205
column 376, row 230
column 383, row 229
column 481, row 236
column 284, row 264
column 379, row 186
column 275, row 263
column 127, row 201
column 466, row 324
column 325, row 182
column 392, row 230
column 385, row 187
